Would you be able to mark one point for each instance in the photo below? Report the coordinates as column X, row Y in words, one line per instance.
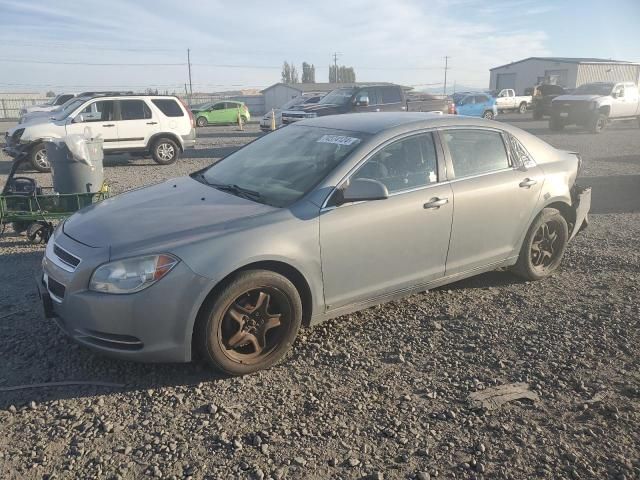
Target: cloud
column 403, row 41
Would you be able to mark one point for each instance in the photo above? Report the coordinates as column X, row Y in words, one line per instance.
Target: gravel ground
column 379, row 394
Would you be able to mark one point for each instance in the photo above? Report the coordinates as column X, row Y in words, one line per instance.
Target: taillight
column 452, row 109
column 193, row 120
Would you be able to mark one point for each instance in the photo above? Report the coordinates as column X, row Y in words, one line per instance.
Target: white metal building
column 568, row 72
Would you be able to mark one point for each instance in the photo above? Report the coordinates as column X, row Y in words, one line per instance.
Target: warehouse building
column 568, row 72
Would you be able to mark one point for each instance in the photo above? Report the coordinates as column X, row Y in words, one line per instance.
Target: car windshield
column 293, row 102
column 68, row 107
column 594, row 89
column 281, row 167
column 340, row 96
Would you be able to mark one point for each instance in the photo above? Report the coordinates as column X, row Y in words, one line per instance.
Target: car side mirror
column 361, row 189
column 362, row 102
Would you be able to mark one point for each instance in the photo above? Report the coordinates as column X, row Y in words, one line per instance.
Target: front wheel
column 598, row 123
column 165, row 151
column 488, row 115
column 202, row 122
column 522, row 108
column 250, row 324
column 543, row 246
column 38, row 158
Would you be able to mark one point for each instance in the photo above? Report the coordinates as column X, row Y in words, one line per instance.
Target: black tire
column 165, row 151
column 537, row 115
column 202, row 122
column 38, row 158
column 555, row 124
column 20, row 227
column 542, row 250
column 239, row 314
column 597, row 123
column 39, row 232
column 488, row 115
column 522, row 108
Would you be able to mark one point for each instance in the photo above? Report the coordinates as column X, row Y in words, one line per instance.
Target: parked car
column 594, row 105
column 364, row 98
column 542, row 96
column 475, row 105
column 47, row 114
column 220, row 113
column 160, row 125
column 506, row 99
column 294, row 103
column 52, row 104
column 313, row 221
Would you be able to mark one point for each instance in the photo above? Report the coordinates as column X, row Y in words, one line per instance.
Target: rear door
column 495, row 197
column 136, row 124
column 231, row 112
column 99, row 117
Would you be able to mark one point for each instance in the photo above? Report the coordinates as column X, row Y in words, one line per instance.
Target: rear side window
column 391, row 95
column 134, row 110
column 474, row 152
column 519, row 153
column 481, row 99
column 168, row 106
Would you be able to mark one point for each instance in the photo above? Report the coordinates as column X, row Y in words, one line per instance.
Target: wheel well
column 284, row 269
column 565, row 210
column 606, row 109
column 523, row 103
column 172, row 136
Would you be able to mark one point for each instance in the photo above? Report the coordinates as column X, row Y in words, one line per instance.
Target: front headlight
column 311, row 115
column 17, row 135
column 131, row 275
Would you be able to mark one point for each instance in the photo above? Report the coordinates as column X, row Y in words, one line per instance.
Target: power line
column 49, row 62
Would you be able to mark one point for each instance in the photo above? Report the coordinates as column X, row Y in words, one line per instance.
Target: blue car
column 475, row 105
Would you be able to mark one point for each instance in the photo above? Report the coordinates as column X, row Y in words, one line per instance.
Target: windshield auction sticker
column 338, row 140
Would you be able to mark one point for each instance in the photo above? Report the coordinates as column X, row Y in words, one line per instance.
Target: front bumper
column 581, row 198
column 153, row 325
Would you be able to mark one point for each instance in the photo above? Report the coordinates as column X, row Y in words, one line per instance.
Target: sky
column 66, row 45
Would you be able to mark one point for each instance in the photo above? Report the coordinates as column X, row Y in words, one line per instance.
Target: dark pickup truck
column 365, row 98
column 541, row 99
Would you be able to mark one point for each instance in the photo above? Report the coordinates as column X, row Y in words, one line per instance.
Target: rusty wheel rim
column 255, row 324
column 545, row 246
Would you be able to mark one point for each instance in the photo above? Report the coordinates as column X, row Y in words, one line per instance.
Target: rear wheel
column 523, row 107
column 488, row 115
column 165, row 151
column 202, row 122
column 598, row 123
column 250, row 324
column 38, row 158
column 543, row 246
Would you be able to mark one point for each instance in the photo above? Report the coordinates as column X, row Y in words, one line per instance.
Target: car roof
column 376, row 122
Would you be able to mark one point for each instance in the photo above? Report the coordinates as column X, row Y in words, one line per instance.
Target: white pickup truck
column 595, row 105
column 506, row 99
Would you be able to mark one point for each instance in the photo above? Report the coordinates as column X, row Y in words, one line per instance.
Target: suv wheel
column 165, row 151
column 202, row 122
column 38, row 158
column 250, row 324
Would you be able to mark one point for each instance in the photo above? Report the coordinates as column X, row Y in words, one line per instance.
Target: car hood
column 166, row 213
column 320, row 109
column 583, row 98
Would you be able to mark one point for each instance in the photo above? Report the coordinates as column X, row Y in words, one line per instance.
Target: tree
column 342, row 74
column 51, row 93
column 308, row 73
column 289, row 73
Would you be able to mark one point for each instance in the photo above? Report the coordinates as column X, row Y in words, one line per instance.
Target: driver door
column 374, row 248
column 99, row 117
column 216, row 114
column 366, row 100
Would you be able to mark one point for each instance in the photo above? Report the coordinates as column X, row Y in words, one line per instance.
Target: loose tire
column 544, row 246
column 202, row 122
column 165, row 151
column 38, row 158
column 250, row 324
column 555, row 124
column 522, row 108
column 488, row 115
column 598, row 123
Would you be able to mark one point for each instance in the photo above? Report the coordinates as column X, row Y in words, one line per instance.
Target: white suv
column 159, row 125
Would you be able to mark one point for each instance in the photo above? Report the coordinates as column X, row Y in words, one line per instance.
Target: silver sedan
column 312, row 221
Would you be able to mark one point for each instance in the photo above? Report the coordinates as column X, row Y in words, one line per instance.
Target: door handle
column 109, row 125
column 527, row 183
column 435, row 203
column 152, row 123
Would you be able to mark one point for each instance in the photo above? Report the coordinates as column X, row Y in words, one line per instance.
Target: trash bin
column 76, row 164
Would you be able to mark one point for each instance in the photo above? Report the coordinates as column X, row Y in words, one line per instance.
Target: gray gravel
column 381, row 394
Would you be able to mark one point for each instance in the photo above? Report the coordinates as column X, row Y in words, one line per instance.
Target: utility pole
column 335, row 66
column 446, row 67
column 190, row 84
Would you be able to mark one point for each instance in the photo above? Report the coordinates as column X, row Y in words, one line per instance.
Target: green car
column 221, row 112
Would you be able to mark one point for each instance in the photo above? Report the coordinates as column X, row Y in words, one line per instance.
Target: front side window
column 474, row 152
column 341, row 96
column 367, row 94
column 101, row 111
column 391, row 95
column 218, row 106
column 134, row 110
column 281, row 167
column 407, row 163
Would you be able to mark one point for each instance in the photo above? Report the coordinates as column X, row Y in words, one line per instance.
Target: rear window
column 168, row 106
